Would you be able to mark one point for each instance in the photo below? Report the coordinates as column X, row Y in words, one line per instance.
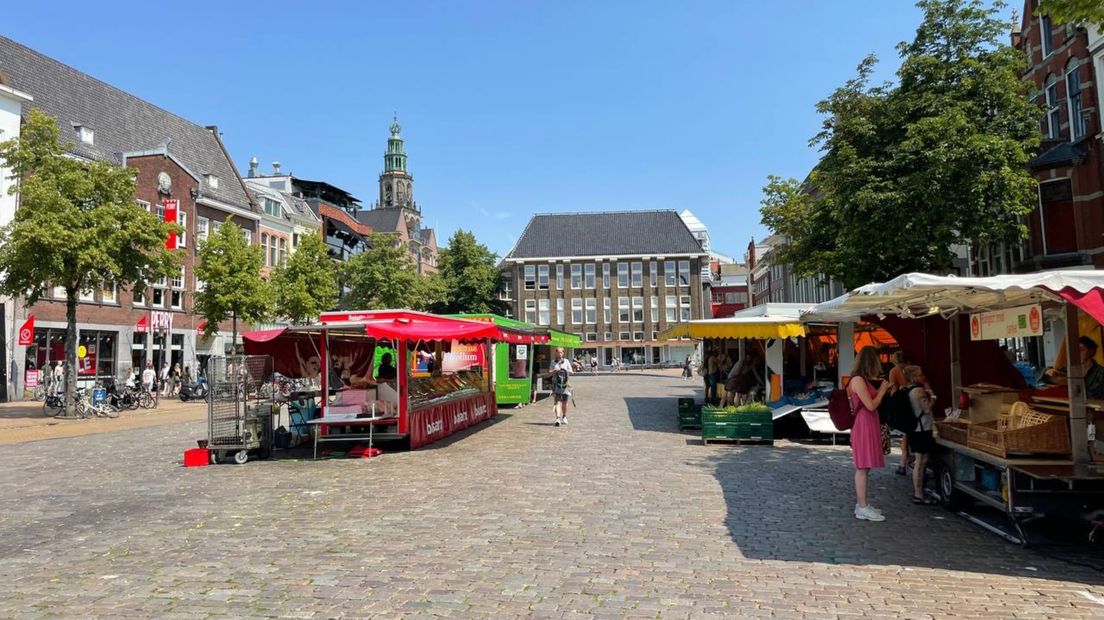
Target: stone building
column 173, row 160
column 616, row 279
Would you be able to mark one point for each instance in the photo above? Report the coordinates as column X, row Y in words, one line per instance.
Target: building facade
column 730, row 290
column 396, row 211
column 173, row 160
column 12, row 102
column 616, row 279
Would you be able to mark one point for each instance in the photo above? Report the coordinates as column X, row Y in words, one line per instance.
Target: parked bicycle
column 86, row 409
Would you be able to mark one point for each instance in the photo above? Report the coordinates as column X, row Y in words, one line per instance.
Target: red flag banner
column 202, row 326
column 26, row 333
column 171, row 207
column 142, row 326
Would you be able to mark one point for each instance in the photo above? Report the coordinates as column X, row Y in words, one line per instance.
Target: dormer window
column 212, row 181
column 85, row 134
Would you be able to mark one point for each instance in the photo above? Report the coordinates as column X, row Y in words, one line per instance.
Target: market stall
column 543, row 355
column 360, row 395
column 1027, row 452
column 513, row 356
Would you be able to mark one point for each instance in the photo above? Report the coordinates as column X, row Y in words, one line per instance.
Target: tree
column 78, row 227
column 305, row 285
column 233, row 289
column 385, row 277
column 469, row 276
column 911, row 170
column 1073, row 11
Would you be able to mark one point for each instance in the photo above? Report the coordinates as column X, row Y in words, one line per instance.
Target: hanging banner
column 171, row 207
column 26, row 333
column 1018, row 322
column 142, row 326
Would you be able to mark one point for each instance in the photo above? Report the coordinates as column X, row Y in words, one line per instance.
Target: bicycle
column 86, row 409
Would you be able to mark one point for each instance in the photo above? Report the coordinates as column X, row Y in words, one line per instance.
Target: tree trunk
column 70, row 352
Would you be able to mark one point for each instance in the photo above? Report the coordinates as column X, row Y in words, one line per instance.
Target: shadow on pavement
column 795, row 502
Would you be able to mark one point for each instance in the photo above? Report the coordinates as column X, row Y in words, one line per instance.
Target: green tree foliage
column 305, row 285
column 77, row 227
column 469, row 276
column 910, row 170
column 385, row 277
column 1073, row 11
column 233, row 288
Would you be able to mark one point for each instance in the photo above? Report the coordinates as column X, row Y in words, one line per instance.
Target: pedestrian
column 920, row 438
column 594, row 365
column 897, row 380
column 59, row 378
column 560, row 373
column 712, row 372
column 175, row 378
column 165, row 370
column 687, row 372
column 186, row 378
column 149, row 378
column 866, row 433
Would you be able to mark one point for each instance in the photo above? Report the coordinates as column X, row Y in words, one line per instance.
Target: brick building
column 1067, row 229
column 172, row 159
column 730, row 290
column 616, row 279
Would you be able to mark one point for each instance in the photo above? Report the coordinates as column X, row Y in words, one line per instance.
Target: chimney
column 253, row 163
column 276, row 168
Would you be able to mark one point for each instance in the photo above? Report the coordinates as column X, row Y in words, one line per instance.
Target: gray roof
column 122, row 122
column 616, row 233
column 1061, row 153
column 381, row 220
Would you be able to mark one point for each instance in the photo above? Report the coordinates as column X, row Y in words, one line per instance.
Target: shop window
column 605, row 275
column 531, row 311
column 530, row 277
column 623, row 310
column 589, row 277
column 542, row 277
column 559, row 311
column 606, row 313
column 576, row 277
column 99, row 353
column 542, row 312
column 591, row 311
column 622, row 275
column 638, row 309
column 653, row 274
column 559, row 277
column 670, row 277
column 577, row 311
column 684, row 272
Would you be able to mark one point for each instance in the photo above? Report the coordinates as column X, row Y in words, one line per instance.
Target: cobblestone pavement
column 27, row 421
column 617, row 515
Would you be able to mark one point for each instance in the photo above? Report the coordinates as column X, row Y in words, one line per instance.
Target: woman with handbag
column 866, row 433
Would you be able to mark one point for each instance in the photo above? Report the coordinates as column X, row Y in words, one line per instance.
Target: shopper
column 165, row 369
column 712, row 367
column 186, row 378
column 560, row 373
column 920, row 438
column 897, row 380
column 175, row 379
column 866, row 434
column 149, row 378
column 687, row 372
column 59, row 378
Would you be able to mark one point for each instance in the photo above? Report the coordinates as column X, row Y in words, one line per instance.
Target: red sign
column 462, row 357
column 26, row 333
column 1035, row 319
column 202, row 326
column 171, row 207
column 30, row 380
column 435, row 423
column 142, row 326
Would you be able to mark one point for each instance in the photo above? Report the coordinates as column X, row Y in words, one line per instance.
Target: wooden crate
column 1024, row 433
column 952, row 430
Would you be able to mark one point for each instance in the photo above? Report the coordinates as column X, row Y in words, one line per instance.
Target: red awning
column 412, row 326
column 1090, row 301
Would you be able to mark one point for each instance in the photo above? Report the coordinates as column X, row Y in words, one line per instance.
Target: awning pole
column 1075, row 379
column 956, row 360
column 845, row 350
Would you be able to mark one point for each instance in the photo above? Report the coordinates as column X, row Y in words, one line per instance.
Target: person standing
column 866, row 433
column 560, row 373
column 165, row 387
column 897, row 380
column 712, row 371
column 149, row 378
column 59, row 378
column 687, row 372
column 920, row 438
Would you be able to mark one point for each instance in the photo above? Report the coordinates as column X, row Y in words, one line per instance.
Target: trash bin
column 99, row 395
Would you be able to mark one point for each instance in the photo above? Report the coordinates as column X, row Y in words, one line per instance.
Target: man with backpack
column 559, row 373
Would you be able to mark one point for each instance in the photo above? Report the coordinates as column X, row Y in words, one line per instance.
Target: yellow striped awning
column 736, row 327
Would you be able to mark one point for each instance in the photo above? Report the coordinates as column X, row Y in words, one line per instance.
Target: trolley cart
column 240, row 408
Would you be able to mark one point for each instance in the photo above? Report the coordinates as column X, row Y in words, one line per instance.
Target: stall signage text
column 522, row 352
column 1018, row 322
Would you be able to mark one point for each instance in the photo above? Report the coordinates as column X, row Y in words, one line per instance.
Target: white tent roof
column 921, row 294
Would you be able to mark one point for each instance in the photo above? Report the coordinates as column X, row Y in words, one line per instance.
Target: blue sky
column 508, row 108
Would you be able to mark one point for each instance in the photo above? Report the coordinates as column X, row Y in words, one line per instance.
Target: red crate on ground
column 197, row 457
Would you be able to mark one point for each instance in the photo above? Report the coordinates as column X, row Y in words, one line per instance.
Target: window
column 655, row 309
column 638, row 309
column 519, row 368
column 607, row 336
column 200, row 285
column 272, row 207
column 653, row 274
column 542, row 277
column 158, row 298
column 622, row 275
column 623, row 335
column 559, row 311
column 530, row 277
column 212, row 181
column 589, row 279
column 89, row 295
column 623, row 311
column 542, row 314
column 182, row 220
column 215, row 226
column 637, row 275
column 109, row 294
column 591, row 311
column 670, row 308
column 1073, row 95
column 178, row 280
column 638, row 336
column 1046, row 36
column 736, row 298
column 577, row 311
column 139, row 297
column 283, row 250
column 294, row 240
column 248, row 236
column 655, row 336
column 85, row 134
column 669, row 275
column 202, row 226
column 684, row 307
column 684, row 272
column 576, row 277
column 559, row 277
column 507, row 288
column 264, row 248
column 1054, row 115
column 592, row 337
column 605, row 275
column 531, row 311
column 607, row 317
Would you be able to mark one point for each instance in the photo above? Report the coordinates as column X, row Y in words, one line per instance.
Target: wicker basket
column 1023, row 431
column 952, row 430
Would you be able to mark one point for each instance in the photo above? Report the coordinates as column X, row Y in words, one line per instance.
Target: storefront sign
column 462, row 357
column 171, row 206
column 82, row 351
column 161, row 321
column 26, row 333
column 522, row 352
column 30, row 378
column 142, row 326
column 436, row 423
column 1018, row 322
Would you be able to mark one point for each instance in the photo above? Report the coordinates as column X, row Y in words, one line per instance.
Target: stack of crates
column 756, row 425
column 689, row 414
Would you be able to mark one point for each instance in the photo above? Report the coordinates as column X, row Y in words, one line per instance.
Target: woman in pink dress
column 866, row 434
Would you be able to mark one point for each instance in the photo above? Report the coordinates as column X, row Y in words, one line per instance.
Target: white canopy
column 920, row 294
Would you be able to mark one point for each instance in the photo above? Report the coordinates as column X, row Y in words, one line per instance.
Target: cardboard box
column 988, row 403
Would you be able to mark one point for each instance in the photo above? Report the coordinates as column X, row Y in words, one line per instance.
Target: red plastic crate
column 197, row 457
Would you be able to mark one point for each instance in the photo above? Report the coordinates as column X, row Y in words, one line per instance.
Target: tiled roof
column 381, row 220
column 617, row 233
column 121, row 122
column 1061, row 153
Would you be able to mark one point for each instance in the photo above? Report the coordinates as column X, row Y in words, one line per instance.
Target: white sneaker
column 870, row 507
column 868, row 513
column 563, row 420
column 557, row 421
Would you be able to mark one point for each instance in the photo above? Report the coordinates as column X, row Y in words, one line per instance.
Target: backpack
column 559, row 382
column 897, row 410
column 839, row 409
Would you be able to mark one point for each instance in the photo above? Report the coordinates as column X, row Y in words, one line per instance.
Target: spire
column 395, row 128
column 395, row 158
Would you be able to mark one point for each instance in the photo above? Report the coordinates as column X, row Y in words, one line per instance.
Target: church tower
column 396, row 184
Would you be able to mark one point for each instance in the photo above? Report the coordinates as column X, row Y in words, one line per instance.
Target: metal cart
column 240, row 407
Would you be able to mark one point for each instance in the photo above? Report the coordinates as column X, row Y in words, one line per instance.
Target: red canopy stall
column 363, row 389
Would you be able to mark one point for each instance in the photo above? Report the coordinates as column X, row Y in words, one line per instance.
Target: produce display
column 749, row 408
column 432, row 390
